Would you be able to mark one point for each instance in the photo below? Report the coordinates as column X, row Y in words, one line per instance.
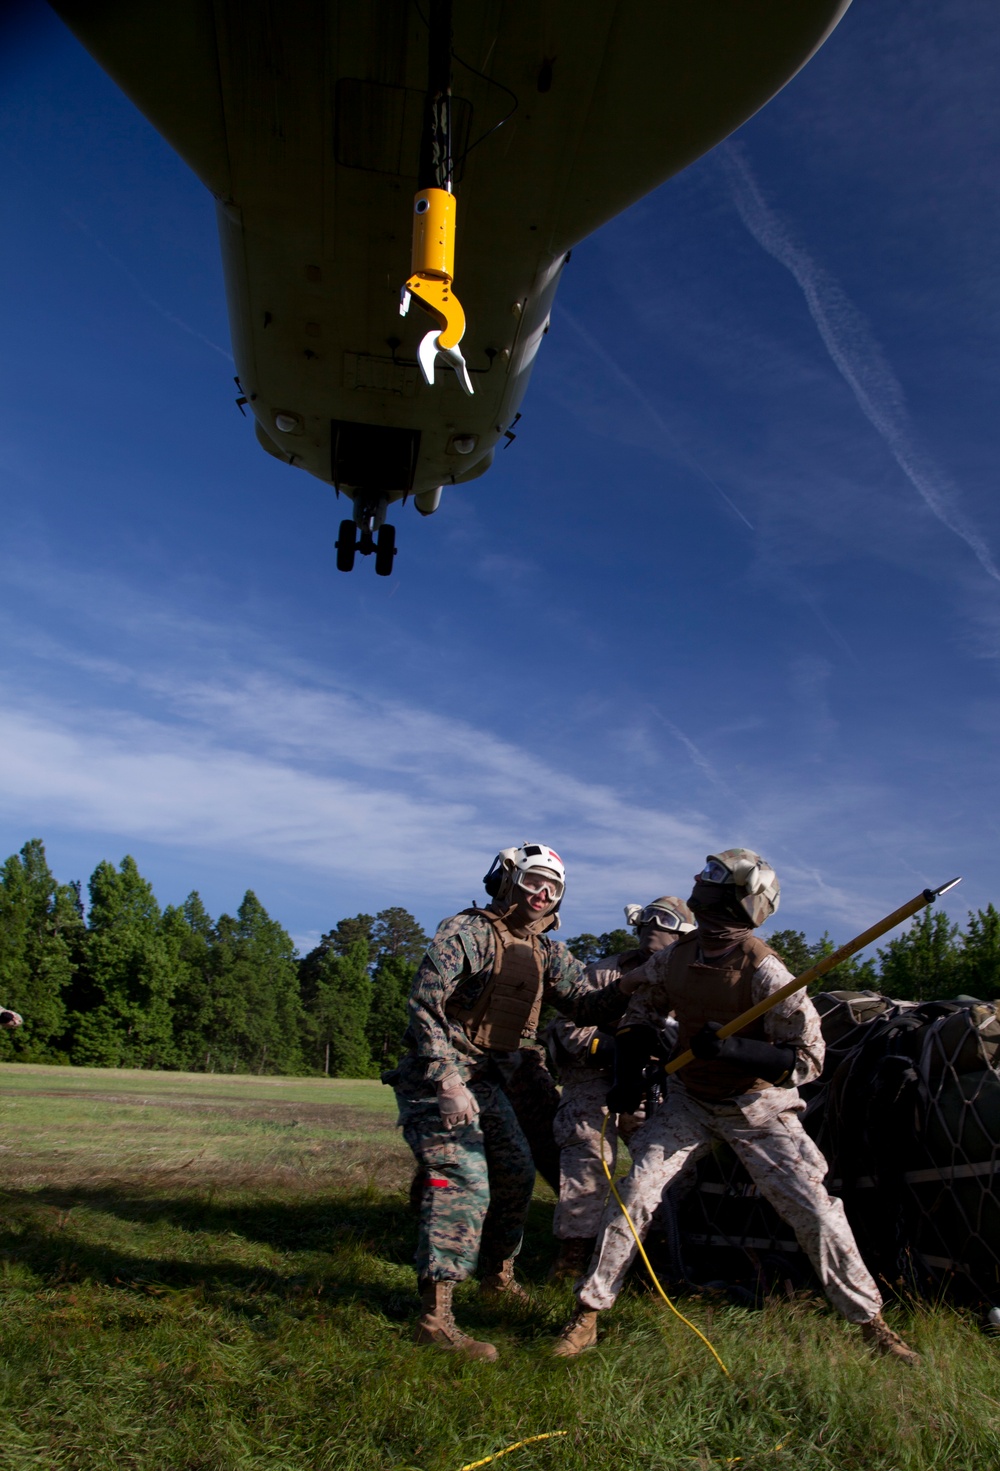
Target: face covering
column 719, row 933
column 721, row 918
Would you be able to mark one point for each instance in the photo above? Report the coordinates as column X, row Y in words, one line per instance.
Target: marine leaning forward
column 742, row 1089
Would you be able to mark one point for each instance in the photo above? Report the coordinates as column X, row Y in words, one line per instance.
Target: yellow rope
column 649, row 1266
column 550, row 1435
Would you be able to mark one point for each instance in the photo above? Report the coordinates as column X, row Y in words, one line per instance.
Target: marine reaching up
column 742, row 1089
column 477, row 994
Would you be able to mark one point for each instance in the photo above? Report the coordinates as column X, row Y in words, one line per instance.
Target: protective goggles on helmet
column 537, row 881
column 715, row 872
column 664, row 919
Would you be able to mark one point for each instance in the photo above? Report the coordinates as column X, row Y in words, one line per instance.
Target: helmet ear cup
column 493, row 877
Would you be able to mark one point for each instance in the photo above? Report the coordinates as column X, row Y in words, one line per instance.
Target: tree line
column 124, row 983
column 128, row 984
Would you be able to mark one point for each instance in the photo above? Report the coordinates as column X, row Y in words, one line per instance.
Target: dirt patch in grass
column 290, row 1111
column 223, row 1139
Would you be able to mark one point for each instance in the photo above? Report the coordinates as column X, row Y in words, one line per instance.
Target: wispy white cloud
column 185, row 746
column 328, row 781
column 855, row 353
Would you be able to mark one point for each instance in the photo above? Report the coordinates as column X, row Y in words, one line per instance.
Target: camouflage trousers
column 783, row 1162
column 583, row 1185
column 477, row 1183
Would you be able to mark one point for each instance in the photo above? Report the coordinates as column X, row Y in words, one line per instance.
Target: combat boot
column 572, row 1258
column 501, row 1282
column 579, row 1333
column 885, row 1341
column 437, row 1324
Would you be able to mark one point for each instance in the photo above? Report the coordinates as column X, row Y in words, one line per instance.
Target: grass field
column 213, row 1274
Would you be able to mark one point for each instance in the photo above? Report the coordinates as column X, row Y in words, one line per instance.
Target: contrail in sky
column 157, row 306
column 599, row 351
column 651, row 409
column 855, row 353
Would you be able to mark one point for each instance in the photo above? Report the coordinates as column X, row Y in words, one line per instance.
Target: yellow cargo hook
column 432, row 270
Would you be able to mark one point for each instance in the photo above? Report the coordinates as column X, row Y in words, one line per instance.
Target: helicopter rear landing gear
column 346, row 545
column 385, row 550
column 367, row 533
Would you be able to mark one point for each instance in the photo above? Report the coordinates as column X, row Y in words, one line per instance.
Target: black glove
column 625, row 1097
column 601, row 1052
column 773, row 1064
column 635, row 1047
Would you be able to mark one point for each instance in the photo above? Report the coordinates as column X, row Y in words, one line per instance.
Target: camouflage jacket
column 568, row 1043
column 459, row 963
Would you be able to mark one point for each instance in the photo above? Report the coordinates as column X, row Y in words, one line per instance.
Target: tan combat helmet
column 668, row 913
column 758, row 890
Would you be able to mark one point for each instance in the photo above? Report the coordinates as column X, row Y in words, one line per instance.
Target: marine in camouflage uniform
column 534, row 1097
column 477, row 992
column 743, row 1090
column 583, row 1060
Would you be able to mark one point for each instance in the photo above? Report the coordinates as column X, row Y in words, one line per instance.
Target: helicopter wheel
column 385, row 550
column 346, row 546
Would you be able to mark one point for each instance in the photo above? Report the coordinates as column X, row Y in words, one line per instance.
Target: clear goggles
column 664, row 919
column 538, row 881
column 715, row 872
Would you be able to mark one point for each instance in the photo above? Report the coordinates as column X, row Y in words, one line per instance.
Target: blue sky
column 736, row 582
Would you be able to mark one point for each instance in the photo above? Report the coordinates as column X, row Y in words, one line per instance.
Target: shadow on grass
column 348, row 1240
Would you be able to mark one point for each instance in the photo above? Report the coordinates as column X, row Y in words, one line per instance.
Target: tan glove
column 456, row 1103
column 632, row 981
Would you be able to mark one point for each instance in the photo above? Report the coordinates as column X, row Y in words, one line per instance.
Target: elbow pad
column 773, row 1064
column 601, row 1052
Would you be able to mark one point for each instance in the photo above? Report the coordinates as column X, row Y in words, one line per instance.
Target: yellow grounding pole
column 799, row 983
column 549, row 1435
column 649, row 1266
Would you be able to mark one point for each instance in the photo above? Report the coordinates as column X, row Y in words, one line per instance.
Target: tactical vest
column 701, row 993
column 508, row 1007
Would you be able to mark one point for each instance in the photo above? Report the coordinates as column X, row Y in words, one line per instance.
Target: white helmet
column 667, row 913
column 758, row 889
column 509, row 868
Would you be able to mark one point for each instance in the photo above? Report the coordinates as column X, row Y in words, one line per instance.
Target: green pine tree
column 122, row 993
column 253, row 1018
column 345, row 933
column 588, row 947
column 399, row 944
column 395, row 935
column 190, row 935
column 979, row 959
column 924, row 963
column 388, row 1017
column 339, row 1011
column 800, row 955
column 41, row 937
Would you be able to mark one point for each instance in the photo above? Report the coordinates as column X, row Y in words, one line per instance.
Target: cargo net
column 907, row 1113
